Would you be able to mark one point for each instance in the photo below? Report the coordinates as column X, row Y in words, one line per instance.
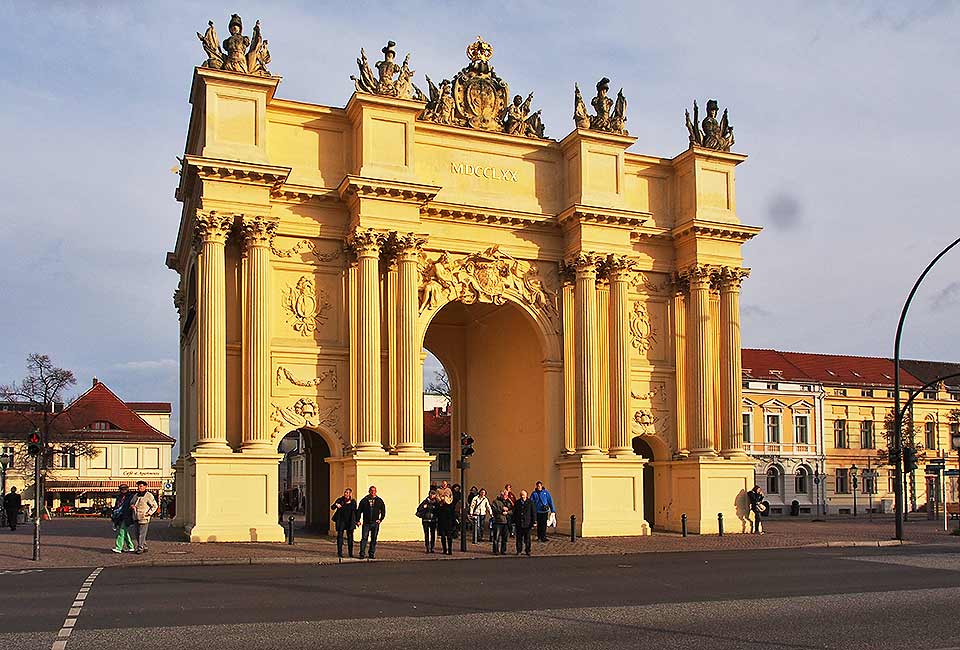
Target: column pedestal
column 701, row 487
column 236, row 497
column 179, row 481
column 606, row 495
column 402, row 482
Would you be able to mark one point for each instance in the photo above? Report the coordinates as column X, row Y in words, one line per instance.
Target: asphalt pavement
column 780, row 598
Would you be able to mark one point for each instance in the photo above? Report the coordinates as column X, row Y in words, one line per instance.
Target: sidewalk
column 87, row 543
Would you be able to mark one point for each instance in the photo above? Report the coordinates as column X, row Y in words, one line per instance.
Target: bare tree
column 908, row 439
column 439, row 386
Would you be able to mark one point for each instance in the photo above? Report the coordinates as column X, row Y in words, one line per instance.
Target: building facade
column 583, row 298
column 100, row 441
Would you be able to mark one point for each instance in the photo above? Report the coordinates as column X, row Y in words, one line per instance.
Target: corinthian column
column 367, row 244
column 257, row 236
column 731, row 365
column 409, row 370
column 701, row 374
column 619, row 272
column 587, row 349
column 210, row 236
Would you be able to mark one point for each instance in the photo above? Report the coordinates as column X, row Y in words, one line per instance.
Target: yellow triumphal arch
column 585, row 298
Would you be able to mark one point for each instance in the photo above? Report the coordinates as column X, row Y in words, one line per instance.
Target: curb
column 855, row 544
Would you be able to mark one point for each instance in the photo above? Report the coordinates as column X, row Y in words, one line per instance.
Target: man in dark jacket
column 11, row 504
column 524, row 516
column 345, row 518
column 502, row 515
column 373, row 510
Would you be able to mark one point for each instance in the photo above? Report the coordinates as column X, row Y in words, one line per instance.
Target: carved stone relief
column 305, row 412
column 391, row 80
column 653, row 416
column 641, row 330
column 610, row 117
column 306, row 246
column 240, row 53
column 306, row 306
column 329, row 375
column 710, row 134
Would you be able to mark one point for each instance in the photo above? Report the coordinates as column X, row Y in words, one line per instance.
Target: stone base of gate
column 605, row 494
column 402, row 481
column 702, row 488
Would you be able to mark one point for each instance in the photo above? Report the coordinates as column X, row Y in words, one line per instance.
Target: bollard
column 683, row 524
column 290, row 530
column 573, row 528
column 476, row 530
column 720, row 523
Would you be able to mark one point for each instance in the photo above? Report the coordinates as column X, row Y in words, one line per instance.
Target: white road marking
column 11, row 572
column 71, row 621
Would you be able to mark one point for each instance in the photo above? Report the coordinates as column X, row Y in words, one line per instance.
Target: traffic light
column 466, row 445
column 33, row 444
column 909, row 459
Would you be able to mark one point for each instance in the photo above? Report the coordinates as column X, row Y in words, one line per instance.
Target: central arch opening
column 304, row 478
column 494, row 360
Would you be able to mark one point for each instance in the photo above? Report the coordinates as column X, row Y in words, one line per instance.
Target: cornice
column 709, row 154
column 605, row 216
column 232, row 171
column 651, row 233
column 456, row 212
column 378, row 188
column 290, row 193
column 716, row 230
column 581, row 135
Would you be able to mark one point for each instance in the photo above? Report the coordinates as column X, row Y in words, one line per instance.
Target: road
column 792, row 598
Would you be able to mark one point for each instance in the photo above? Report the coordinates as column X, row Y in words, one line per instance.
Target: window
column 99, row 459
column 866, row 434
column 843, row 481
column 930, row 434
column 8, row 452
column 801, row 426
column 443, row 461
column 867, row 392
column 954, row 430
column 68, row 459
column 151, row 457
column 773, row 481
column 773, row 427
column 101, row 425
column 772, row 386
column 930, row 394
column 869, row 482
column 802, row 480
column 840, row 434
column 955, row 395
column 891, row 482
column 891, row 394
column 130, row 458
column 840, row 392
column 747, row 433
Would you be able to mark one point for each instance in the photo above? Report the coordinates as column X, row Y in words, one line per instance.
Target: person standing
column 143, row 505
column 345, row 519
column 756, row 507
column 446, row 520
column 543, row 503
column 502, row 514
column 372, row 510
column 444, row 493
column 427, row 512
column 123, row 520
column 458, row 506
column 479, row 511
column 11, row 506
column 524, row 514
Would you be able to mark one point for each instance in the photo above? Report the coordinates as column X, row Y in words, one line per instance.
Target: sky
column 842, row 109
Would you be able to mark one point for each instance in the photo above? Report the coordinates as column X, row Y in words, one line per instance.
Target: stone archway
column 641, row 447
column 311, row 455
column 494, row 355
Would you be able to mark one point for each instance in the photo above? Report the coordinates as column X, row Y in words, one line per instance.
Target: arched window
column 802, row 480
column 773, row 480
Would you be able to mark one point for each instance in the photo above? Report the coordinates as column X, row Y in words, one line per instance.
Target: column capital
column 584, row 264
column 257, row 231
column 619, row 268
column 367, row 242
column 732, row 277
column 698, row 276
column 405, row 247
column 212, row 227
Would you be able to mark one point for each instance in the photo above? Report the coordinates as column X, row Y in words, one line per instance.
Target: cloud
column 947, row 297
column 755, row 311
column 784, row 211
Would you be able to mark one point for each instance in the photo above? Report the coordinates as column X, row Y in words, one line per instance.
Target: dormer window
column 102, row 425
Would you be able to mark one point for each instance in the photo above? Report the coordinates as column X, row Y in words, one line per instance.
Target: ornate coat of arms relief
column 488, row 276
column 641, row 329
column 306, row 306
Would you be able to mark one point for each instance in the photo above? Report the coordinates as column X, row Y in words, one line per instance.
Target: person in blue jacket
column 543, row 504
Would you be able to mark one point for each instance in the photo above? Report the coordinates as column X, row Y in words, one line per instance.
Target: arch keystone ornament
column 583, row 296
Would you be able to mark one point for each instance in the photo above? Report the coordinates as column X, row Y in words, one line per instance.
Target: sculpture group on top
column 711, row 134
column 240, row 53
column 611, row 117
column 392, row 80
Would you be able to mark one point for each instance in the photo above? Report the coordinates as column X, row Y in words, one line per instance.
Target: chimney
column 95, row 381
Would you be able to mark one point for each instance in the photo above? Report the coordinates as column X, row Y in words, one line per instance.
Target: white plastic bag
column 552, row 520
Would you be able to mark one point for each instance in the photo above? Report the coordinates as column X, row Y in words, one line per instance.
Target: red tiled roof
column 99, row 404
column 436, row 429
column 149, row 407
column 825, row 368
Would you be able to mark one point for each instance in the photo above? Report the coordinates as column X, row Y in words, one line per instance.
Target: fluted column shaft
column 410, row 424
column 367, row 244
column 587, row 349
column 257, row 233
column 731, row 364
column 620, row 436
column 211, row 236
column 701, row 374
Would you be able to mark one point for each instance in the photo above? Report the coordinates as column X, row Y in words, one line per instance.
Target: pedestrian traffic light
column 466, row 445
column 909, row 459
column 33, row 444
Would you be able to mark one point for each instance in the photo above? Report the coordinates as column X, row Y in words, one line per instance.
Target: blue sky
column 846, row 111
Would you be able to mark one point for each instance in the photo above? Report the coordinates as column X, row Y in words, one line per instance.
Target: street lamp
column 955, row 440
column 853, row 473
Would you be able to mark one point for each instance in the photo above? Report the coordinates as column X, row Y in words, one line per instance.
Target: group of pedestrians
column 348, row 515
column 131, row 518
column 508, row 515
